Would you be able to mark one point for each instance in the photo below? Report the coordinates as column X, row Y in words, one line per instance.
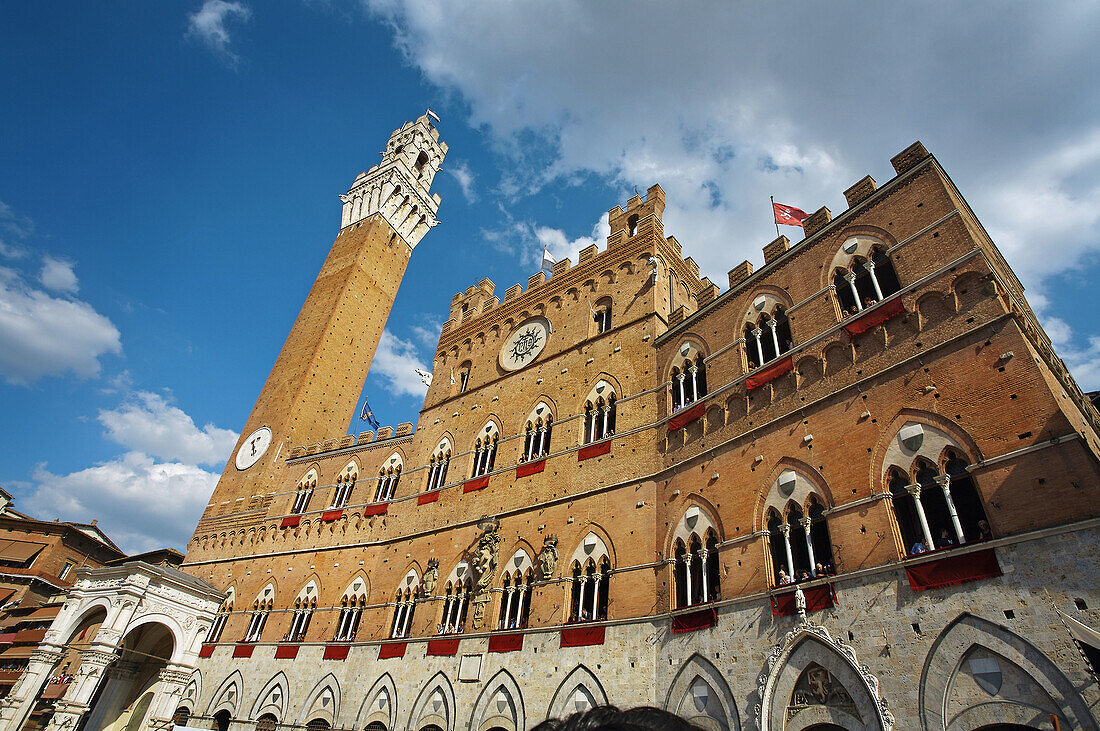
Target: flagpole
column 777, row 234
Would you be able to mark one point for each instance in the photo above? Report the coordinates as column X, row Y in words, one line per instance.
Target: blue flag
column 368, row 415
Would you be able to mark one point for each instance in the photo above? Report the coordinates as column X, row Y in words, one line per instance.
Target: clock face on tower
column 525, row 343
column 253, row 448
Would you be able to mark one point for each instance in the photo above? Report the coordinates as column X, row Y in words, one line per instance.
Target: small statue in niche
column 548, row 556
column 431, row 576
column 485, row 560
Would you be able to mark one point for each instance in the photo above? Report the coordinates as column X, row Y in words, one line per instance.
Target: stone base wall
column 987, row 651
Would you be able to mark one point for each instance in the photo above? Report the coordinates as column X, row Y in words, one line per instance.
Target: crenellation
column 818, row 220
column 860, row 191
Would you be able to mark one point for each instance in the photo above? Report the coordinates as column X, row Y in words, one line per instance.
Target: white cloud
column 561, row 246
column 43, row 335
column 465, row 177
column 58, row 275
column 396, row 361
column 148, row 423
column 140, row 503
column 208, row 24
column 427, row 332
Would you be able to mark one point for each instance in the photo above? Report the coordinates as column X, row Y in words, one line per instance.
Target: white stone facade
column 133, row 600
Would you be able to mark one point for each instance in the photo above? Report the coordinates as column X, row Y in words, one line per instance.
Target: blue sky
column 169, row 176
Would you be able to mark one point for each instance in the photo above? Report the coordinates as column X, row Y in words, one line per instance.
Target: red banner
column 769, row 374
column 427, row 497
column 54, row 690
column 376, row 509
column 505, row 643
column 582, row 636
column 337, row 652
column 951, row 570
column 330, row 515
column 817, row 599
column 477, row 483
column 207, row 650
column 291, row 521
column 444, row 648
column 286, row 652
column 243, row 650
column 875, row 317
column 701, row 619
column 594, row 450
column 6, row 638
column 682, row 419
column 392, row 649
column 531, row 468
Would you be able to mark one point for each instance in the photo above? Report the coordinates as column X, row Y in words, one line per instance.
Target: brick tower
column 315, row 383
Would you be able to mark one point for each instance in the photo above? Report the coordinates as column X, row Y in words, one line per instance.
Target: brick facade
column 951, row 354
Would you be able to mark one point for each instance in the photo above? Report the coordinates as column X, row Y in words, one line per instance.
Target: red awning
column 376, row 509
column 875, row 317
column 286, row 652
column 594, row 450
column 337, row 652
column 291, row 521
column 6, row 638
column 682, row 419
column 505, row 643
column 769, row 374
column 531, row 468
column 392, row 649
column 478, row 483
column 817, row 599
column 582, row 636
column 951, row 570
column 207, row 650
column 700, row 619
column 427, row 497
column 243, row 650
column 443, row 647
column 330, row 515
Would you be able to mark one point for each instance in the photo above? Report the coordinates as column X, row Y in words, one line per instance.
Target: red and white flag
column 788, row 215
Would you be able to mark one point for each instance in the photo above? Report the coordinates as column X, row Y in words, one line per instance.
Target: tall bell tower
column 314, row 385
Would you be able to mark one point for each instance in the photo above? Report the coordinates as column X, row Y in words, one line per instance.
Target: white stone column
column 407, row 619
column 851, row 278
column 506, row 603
column 686, row 560
column 944, row 481
column 17, row 706
column 694, row 383
column 759, row 348
column 596, row 579
column 519, row 602
column 785, row 529
column 582, row 580
column 680, row 385
column 171, row 682
column 542, row 439
column 914, row 490
column 772, row 325
column 606, row 419
column 703, row 565
column 94, row 671
column 870, row 267
column 805, row 522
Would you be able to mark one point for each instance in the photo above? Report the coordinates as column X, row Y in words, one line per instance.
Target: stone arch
column 273, row 699
column 808, row 647
column 179, row 646
column 857, row 241
column 500, row 705
column 435, row 705
column 379, row 704
column 578, row 688
column 938, row 434
column 700, row 694
column 586, row 551
column 323, row 701
column 81, row 616
column 774, row 494
column 959, row 638
column 764, row 301
column 595, row 392
column 705, row 518
column 228, row 695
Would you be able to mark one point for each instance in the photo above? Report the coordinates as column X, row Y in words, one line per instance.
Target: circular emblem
column 253, row 448
column 524, row 344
